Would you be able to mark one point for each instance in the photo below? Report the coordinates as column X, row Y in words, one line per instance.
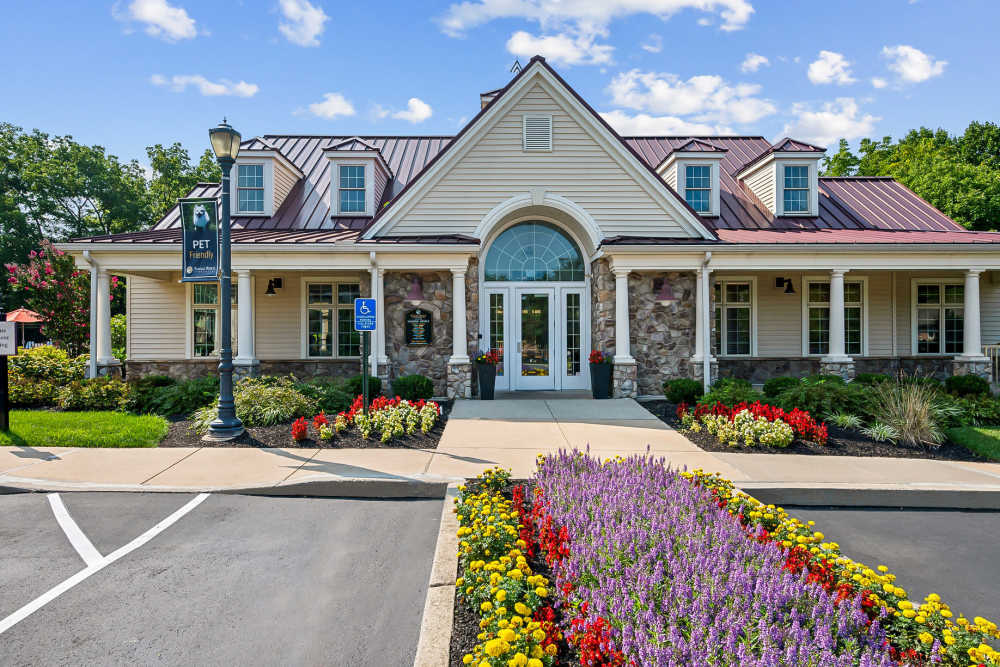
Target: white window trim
column 682, row 166
column 913, row 314
column 752, row 280
column 864, row 313
column 335, row 165
column 304, row 312
column 234, row 193
column 779, row 188
column 524, row 133
column 189, row 307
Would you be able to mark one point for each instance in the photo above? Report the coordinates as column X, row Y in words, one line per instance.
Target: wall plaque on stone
column 419, row 327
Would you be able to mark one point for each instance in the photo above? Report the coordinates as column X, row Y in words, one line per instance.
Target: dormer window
column 250, row 188
column 698, row 187
column 352, row 189
column 796, row 189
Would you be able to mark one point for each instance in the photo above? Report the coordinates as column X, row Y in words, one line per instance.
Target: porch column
column 837, row 362
column 104, row 354
column 378, row 355
column 623, row 352
column 459, row 342
column 702, row 363
column 972, row 361
column 244, row 324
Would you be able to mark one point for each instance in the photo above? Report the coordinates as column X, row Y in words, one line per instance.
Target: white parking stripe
column 83, row 546
column 42, row 600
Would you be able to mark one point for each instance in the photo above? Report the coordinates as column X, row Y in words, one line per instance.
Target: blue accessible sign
column 364, row 314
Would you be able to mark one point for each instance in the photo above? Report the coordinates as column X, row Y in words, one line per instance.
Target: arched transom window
column 532, row 251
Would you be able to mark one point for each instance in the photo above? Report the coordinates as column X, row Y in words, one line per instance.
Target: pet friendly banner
column 200, row 224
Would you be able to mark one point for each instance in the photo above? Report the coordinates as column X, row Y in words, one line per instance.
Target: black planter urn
column 600, row 380
column 487, row 376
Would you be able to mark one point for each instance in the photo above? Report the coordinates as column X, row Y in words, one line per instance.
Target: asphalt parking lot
column 951, row 553
column 232, row 580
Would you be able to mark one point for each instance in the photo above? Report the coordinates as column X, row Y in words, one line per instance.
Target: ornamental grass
column 651, row 570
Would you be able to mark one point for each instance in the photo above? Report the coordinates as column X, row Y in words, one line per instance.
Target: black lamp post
column 226, row 144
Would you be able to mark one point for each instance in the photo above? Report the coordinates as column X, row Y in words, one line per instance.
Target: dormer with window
column 359, row 176
column 261, row 179
column 786, row 178
column 693, row 171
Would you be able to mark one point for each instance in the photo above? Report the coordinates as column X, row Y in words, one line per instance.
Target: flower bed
column 753, row 424
column 387, row 417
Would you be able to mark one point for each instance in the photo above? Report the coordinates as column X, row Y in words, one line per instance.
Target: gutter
column 276, row 247
column 94, row 267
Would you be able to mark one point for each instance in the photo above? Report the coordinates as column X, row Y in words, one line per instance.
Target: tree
column 980, row 144
column 17, row 235
column 173, row 175
column 841, row 163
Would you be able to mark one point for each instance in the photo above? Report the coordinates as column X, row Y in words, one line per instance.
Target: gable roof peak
column 789, row 145
column 696, row 145
column 354, row 143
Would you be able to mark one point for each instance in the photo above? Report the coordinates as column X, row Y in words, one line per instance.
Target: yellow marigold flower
column 507, row 635
column 551, row 649
column 534, row 662
column 538, row 635
column 541, row 592
column 503, row 623
column 926, row 637
column 486, row 606
column 519, row 660
column 933, row 597
column 920, row 619
column 909, row 613
column 467, row 659
column 522, row 609
column 536, row 651
column 501, row 595
column 515, row 575
column 899, row 592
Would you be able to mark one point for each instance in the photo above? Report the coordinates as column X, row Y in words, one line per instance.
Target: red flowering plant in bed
column 804, row 425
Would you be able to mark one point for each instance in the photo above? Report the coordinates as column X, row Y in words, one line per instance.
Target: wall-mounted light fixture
column 416, row 292
column 663, row 289
column 272, row 284
column 786, row 283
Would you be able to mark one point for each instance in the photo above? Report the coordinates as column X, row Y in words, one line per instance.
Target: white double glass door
column 541, row 333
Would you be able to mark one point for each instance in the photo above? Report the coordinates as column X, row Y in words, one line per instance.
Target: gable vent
column 537, row 133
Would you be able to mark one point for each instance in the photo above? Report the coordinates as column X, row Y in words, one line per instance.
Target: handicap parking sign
column 364, row 314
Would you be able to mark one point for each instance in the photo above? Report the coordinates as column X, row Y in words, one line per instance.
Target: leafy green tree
column 980, row 144
column 841, row 163
column 174, row 176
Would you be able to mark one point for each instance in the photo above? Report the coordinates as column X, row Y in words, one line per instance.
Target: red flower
column 300, row 429
column 597, row 357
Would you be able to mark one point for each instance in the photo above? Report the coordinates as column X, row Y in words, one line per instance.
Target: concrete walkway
column 480, row 434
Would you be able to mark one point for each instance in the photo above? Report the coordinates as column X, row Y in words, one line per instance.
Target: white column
column 104, row 355
column 459, row 343
column 703, row 326
column 972, row 340
column 837, row 346
column 383, row 357
column 93, row 319
column 700, row 304
column 244, row 324
column 623, row 352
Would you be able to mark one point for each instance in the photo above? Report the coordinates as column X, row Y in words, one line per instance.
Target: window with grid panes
column 330, row 320
column 205, row 319
column 940, row 315
column 796, row 189
column 732, row 330
column 698, row 187
column 352, row 188
column 818, row 316
column 250, row 188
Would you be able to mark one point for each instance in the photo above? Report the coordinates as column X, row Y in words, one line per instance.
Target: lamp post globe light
column 226, row 144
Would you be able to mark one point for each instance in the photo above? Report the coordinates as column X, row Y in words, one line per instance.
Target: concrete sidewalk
column 481, row 434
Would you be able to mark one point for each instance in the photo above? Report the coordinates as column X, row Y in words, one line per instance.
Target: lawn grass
column 42, row 428
column 984, row 441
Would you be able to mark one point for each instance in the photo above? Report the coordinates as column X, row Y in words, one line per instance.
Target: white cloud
column 333, row 105
column 831, row 67
column 417, row 111
column 304, row 22
column 834, row 120
column 653, row 44
column 561, row 49
column 179, row 82
column 753, row 62
column 912, row 65
column 161, row 19
column 708, row 98
column 645, row 124
column 879, row 82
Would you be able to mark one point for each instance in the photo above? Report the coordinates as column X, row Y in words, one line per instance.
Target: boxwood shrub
column 730, row 391
column 821, row 398
column 775, row 386
column 413, row 387
column 683, row 390
column 353, row 385
column 869, row 379
column 97, row 394
column 332, row 396
column 967, row 385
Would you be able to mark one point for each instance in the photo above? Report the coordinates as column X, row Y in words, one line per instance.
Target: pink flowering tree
column 51, row 285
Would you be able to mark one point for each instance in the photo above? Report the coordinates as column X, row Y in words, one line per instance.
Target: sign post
column 364, row 321
column 8, row 346
column 200, row 235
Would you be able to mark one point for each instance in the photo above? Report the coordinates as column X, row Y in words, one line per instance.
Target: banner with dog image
column 200, row 224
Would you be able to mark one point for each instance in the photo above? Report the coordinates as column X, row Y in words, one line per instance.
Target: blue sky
column 136, row 72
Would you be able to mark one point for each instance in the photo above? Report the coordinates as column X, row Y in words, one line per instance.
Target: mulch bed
column 181, row 435
column 841, row 442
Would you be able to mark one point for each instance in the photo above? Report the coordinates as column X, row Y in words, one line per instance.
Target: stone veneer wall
column 661, row 334
column 758, row 369
column 431, row 360
column 938, row 367
column 472, row 317
column 304, row 369
column 602, row 308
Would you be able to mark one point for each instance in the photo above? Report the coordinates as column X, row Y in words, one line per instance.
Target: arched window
column 533, row 251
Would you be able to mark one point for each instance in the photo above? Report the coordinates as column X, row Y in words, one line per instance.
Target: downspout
column 706, row 325
column 93, row 312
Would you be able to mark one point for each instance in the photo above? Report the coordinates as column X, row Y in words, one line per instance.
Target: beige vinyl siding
column 284, row 180
column 496, row 168
column 879, row 314
column 989, row 314
column 156, row 318
column 381, row 178
column 670, row 176
column 277, row 319
column 763, row 184
column 779, row 317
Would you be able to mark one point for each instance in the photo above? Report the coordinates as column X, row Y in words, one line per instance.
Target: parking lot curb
column 434, row 644
column 888, row 496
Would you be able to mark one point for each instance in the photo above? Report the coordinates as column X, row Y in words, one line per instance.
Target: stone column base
column 842, row 367
column 698, row 370
column 459, row 380
column 624, row 380
column 110, row 369
column 243, row 369
column 981, row 366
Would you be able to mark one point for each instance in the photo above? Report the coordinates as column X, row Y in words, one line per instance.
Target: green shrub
column 683, row 390
column 261, row 403
column 977, row 411
column 824, row 378
column 967, row 385
column 97, row 394
column 47, row 362
column 31, row 392
column 775, row 386
column 844, row 420
column 183, row 398
column 413, row 387
column 330, row 395
column 353, row 385
column 730, row 391
column 924, row 380
column 142, row 390
column 821, row 398
column 869, row 379
column 914, row 410
column 119, row 337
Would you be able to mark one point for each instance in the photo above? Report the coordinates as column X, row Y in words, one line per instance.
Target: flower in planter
column 300, row 429
column 598, row 357
column 488, row 357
